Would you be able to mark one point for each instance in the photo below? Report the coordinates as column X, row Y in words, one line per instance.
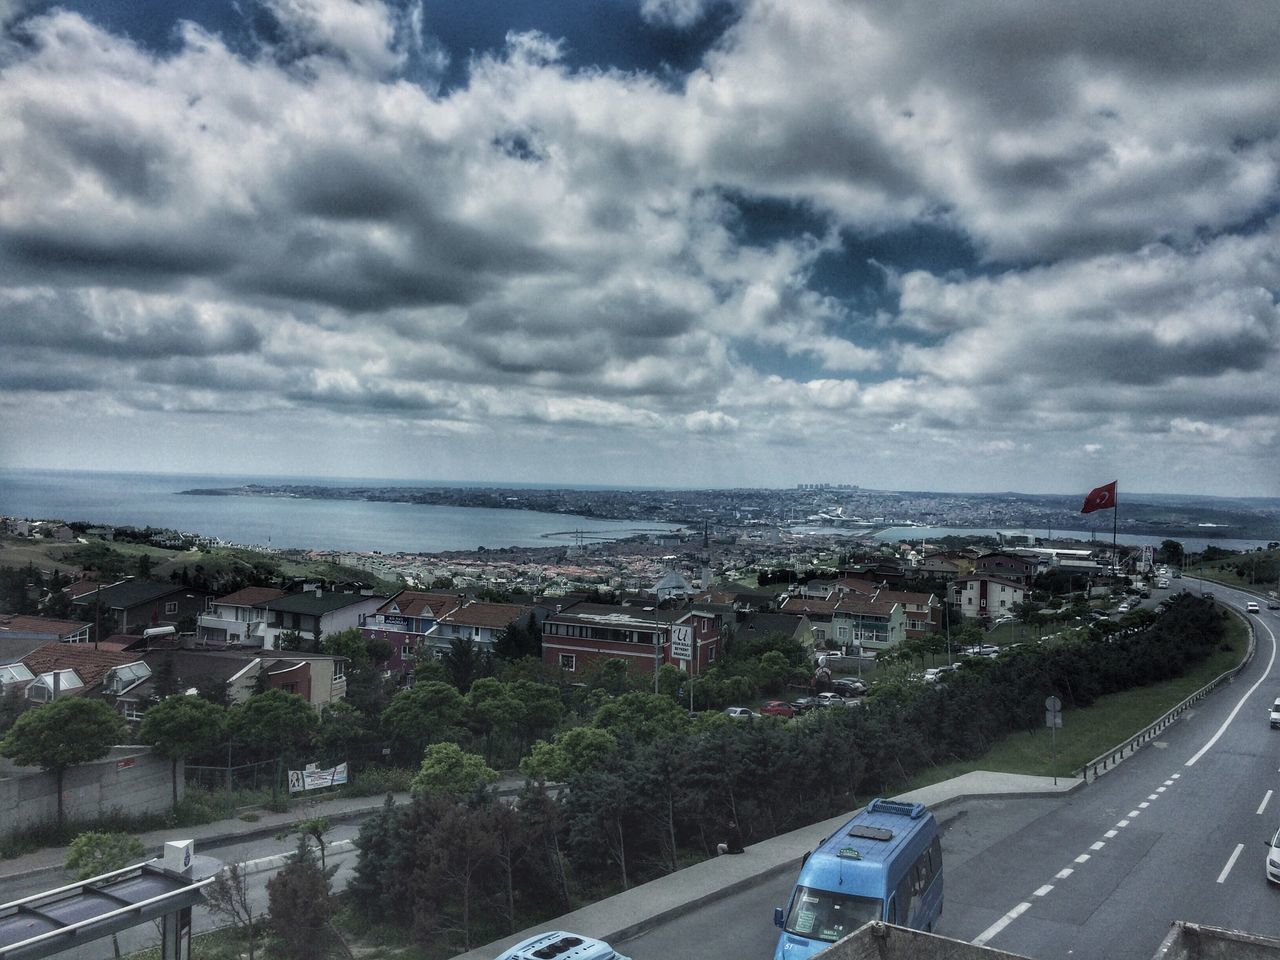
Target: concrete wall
column 129, row 779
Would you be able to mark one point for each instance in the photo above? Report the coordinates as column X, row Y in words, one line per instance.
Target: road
column 1174, row 832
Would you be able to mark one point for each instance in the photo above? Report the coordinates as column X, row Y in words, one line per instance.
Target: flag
column 1100, row 498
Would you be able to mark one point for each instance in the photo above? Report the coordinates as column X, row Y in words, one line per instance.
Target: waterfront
column 146, row 499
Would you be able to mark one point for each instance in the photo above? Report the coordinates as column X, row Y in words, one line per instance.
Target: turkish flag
column 1100, row 498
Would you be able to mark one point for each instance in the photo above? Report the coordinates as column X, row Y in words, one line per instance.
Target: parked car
column 1123, row 608
column 805, row 704
column 777, row 708
column 557, row 943
column 981, row 650
column 830, row 699
column 739, row 713
column 849, row 688
column 934, row 674
column 1002, row 620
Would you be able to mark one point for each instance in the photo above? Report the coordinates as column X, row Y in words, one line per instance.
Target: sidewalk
column 47, row 863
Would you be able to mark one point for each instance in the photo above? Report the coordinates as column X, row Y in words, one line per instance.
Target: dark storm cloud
column 89, row 325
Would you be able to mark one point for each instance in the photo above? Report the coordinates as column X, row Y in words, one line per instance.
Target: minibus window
column 823, row 915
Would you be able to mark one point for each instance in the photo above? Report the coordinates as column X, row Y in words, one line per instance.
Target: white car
column 558, row 945
column 1123, row 608
column 739, row 713
column 981, row 650
column 1275, row 715
column 1273, row 858
column 1251, row 607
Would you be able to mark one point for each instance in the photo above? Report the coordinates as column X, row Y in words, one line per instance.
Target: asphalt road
column 1174, row 832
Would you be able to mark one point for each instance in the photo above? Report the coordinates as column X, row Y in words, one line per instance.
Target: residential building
column 869, row 624
column 65, row 669
column 133, row 605
column 478, row 620
column 237, row 618
column 41, row 630
column 588, row 634
column 791, row 626
column 819, row 614
column 923, row 611
column 1015, row 567
column 404, row 621
column 982, row 597
column 316, row 612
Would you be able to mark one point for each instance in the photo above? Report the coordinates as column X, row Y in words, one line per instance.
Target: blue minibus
column 884, row 864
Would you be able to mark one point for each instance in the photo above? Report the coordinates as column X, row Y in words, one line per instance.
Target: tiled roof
column 857, row 585
column 91, row 665
column 12, row 623
column 131, row 593
column 991, row 579
column 251, row 596
column 904, row 596
column 879, row 608
column 480, row 614
column 309, row 603
column 765, row 623
column 414, row 603
column 807, row 606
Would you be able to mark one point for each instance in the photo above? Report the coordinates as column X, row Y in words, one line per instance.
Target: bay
column 151, row 499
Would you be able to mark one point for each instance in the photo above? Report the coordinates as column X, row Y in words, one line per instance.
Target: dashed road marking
column 1265, row 800
column 1143, row 805
column 1230, row 863
column 1043, row 891
column 1000, row 924
column 1083, row 858
column 1110, row 833
column 1063, row 873
column 1099, row 845
column 1123, row 823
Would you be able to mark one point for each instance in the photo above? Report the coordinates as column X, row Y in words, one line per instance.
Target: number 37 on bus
column 884, row 864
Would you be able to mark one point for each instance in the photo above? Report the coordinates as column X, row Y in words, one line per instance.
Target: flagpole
column 1115, row 514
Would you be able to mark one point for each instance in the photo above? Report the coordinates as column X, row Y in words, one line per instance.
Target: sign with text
column 681, row 642
column 314, row 779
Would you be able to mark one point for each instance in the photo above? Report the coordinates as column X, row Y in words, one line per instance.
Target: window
column 711, row 655
column 171, row 606
column 132, row 710
column 568, row 661
column 289, row 687
column 208, row 604
column 339, row 670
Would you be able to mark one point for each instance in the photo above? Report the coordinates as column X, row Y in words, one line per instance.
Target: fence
column 244, row 776
column 1104, row 762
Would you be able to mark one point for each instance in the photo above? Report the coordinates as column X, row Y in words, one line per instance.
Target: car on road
column 558, row 944
column 1273, row 603
column 1251, row 607
column 739, row 713
column 981, row 650
column 1273, row 857
column 1123, row 608
column 777, row 708
column 1003, row 620
column 1275, row 714
column 1162, row 584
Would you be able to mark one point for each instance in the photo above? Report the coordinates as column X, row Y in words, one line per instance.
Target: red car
column 778, row 708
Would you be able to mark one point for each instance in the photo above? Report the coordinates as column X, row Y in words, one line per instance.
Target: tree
column 92, row 854
column 274, row 724
column 365, row 687
column 229, row 896
column 572, row 754
column 372, row 887
column 180, row 727
column 448, row 772
column 464, row 663
column 422, row 714
column 62, row 734
column 489, row 709
column 299, row 900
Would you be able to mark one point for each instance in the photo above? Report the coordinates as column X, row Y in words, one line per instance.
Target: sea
column 151, row 499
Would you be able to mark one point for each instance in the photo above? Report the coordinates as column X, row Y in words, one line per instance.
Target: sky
column 987, row 245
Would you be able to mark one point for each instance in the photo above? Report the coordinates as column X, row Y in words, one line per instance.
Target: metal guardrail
column 1105, row 762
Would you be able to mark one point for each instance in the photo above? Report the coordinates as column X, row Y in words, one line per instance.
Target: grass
column 1091, row 731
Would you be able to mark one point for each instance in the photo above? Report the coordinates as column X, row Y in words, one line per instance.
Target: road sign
column 1053, row 712
column 1053, row 704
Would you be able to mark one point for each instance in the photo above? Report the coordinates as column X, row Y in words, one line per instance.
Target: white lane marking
column 1133, row 813
column 1168, row 783
column 1266, row 673
column 1153, row 796
column 1230, row 863
column 1265, row 800
column 1000, row 924
column 1063, row 874
column 1175, row 776
column 1161, row 789
column 1099, row 845
column 1082, row 858
column 1110, row 833
column 1123, row 823
column 1043, row 891
column 1143, row 805
column 278, row 860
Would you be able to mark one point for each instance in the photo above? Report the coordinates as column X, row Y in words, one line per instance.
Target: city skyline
column 684, row 243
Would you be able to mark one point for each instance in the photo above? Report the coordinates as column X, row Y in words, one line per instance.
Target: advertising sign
column 313, row 778
column 681, row 642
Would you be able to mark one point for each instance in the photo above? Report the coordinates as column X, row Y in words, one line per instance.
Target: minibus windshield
column 823, row 915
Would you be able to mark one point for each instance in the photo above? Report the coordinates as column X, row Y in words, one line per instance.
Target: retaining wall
column 130, row 779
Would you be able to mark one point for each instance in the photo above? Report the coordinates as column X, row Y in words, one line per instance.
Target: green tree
column 92, row 854
column 366, row 690
column 180, row 727
column 571, row 754
column 489, row 709
column 373, row 885
column 465, row 663
column 449, row 772
column 62, row 734
column 300, row 904
column 276, row 725
column 229, row 896
column 643, row 715
column 420, row 715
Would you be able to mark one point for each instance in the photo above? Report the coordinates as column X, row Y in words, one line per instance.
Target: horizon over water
column 152, row 499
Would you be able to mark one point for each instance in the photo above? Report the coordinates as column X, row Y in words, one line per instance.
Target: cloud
column 312, row 231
